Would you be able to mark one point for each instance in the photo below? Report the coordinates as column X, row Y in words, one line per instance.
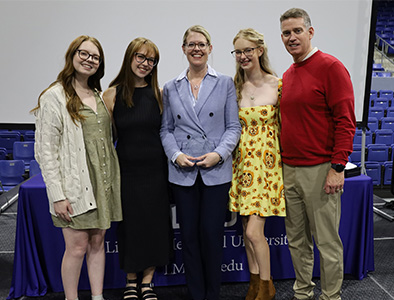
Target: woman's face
column 143, row 62
column 197, row 49
column 247, row 53
column 86, row 59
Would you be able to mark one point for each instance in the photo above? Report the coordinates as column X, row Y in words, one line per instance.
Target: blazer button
column 188, row 137
column 179, row 117
column 211, row 114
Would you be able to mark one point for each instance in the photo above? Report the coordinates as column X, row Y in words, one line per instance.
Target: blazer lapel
column 184, row 95
column 209, row 84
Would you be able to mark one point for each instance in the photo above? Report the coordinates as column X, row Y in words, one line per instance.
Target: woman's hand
column 63, row 210
column 208, row 160
column 185, row 161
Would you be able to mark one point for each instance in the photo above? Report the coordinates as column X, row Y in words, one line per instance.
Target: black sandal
column 131, row 292
column 148, row 294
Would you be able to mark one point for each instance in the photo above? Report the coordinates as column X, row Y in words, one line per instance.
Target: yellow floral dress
column 257, row 183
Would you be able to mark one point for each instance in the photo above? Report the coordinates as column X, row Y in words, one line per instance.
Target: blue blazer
column 213, row 122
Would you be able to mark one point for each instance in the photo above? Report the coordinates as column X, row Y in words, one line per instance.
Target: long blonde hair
column 125, row 78
column 256, row 37
column 66, row 76
column 198, row 29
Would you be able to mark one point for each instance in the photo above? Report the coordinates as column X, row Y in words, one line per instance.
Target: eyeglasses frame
column 197, row 45
column 155, row 62
column 89, row 55
column 243, row 52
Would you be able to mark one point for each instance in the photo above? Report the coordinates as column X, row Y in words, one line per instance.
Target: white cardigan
column 60, row 151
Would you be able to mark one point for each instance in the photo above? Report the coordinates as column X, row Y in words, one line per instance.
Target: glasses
column 140, row 58
column 84, row 55
column 248, row 52
column 192, row 45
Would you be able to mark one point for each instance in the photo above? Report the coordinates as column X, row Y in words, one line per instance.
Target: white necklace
column 194, row 85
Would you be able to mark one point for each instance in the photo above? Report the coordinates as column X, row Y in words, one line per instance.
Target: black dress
column 144, row 235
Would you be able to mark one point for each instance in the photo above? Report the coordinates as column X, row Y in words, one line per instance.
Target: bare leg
column 255, row 234
column 95, row 260
column 148, row 275
column 253, row 266
column 76, row 246
column 131, row 276
column 145, row 284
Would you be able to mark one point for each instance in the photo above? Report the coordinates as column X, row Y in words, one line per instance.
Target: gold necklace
column 251, row 96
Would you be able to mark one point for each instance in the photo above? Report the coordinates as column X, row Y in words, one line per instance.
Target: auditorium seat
column 24, row 151
column 378, row 152
column 387, row 123
column 379, row 29
column 373, row 124
column 381, row 37
column 384, row 74
column 376, row 112
column 387, row 173
column 377, row 67
column 386, row 94
column 11, row 173
column 373, row 93
column 384, row 136
column 358, row 137
column 29, row 135
column 7, row 133
column 373, row 170
column 355, row 157
column 390, row 112
column 8, row 138
column 381, row 102
column 390, row 50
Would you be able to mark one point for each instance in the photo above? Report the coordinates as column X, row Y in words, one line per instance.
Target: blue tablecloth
column 39, row 246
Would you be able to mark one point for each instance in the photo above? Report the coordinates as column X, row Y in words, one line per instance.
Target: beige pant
column 313, row 213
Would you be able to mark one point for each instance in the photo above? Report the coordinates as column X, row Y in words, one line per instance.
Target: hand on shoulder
column 109, row 97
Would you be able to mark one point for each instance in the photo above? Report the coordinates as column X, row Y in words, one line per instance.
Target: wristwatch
column 338, row 167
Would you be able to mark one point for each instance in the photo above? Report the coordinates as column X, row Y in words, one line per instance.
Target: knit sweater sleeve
column 340, row 99
column 49, row 128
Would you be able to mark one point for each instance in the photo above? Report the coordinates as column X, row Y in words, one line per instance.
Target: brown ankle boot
column 266, row 290
column 253, row 287
column 271, row 289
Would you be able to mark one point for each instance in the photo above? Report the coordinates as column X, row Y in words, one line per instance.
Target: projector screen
column 36, row 34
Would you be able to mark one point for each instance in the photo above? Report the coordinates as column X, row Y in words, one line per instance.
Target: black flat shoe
column 148, row 294
column 131, row 291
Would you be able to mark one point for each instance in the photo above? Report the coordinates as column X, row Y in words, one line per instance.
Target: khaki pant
column 313, row 213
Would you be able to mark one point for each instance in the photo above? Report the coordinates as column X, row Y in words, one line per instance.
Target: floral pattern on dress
column 257, row 183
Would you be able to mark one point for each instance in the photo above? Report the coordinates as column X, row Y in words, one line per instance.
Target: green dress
column 104, row 172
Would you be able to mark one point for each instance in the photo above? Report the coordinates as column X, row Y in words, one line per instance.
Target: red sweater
column 317, row 111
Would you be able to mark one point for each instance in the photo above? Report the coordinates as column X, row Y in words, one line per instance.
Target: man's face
column 297, row 38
